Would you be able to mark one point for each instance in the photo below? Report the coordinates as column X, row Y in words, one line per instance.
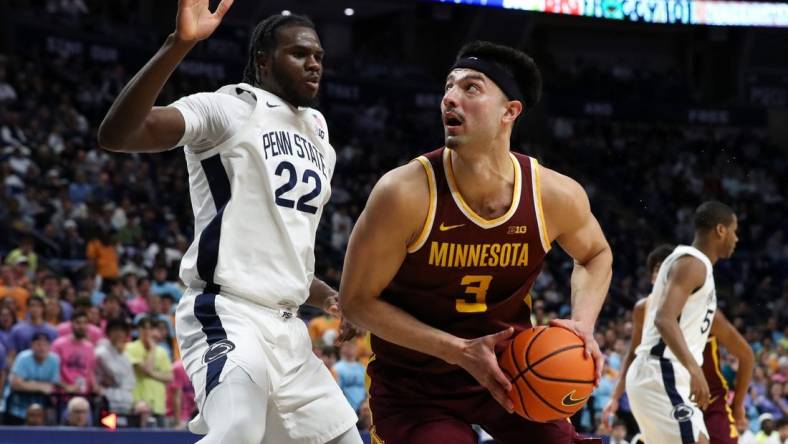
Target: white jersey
column 695, row 318
column 259, row 175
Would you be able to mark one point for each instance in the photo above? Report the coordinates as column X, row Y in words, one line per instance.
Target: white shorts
column 217, row 333
column 658, row 390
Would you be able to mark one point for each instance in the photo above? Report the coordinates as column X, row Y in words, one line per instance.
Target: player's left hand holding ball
column 592, row 348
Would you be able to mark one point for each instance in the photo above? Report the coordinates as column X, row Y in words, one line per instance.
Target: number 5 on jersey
column 476, row 286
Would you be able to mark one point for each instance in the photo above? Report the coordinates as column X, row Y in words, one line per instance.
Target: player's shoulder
column 403, row 181
column 559, row 186
column 400, row 190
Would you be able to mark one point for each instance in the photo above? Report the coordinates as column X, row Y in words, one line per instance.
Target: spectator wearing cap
column 152, row 367
column 114, row 372
column 22, row 333
column 766, row 432
column 23, row 254
column 77, row 356
column 36, row 372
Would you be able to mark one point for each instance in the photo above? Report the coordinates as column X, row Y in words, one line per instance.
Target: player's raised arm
column 638, row 315
column 378, row 245
column 735, row 343
column 686, row 275
column 570, row 222
column 133, row 124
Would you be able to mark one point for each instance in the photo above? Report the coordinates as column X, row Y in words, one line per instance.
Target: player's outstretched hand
column 699, row 388
column 609, row 410
column 592, row 348
column 196, row 22
column 478, row 358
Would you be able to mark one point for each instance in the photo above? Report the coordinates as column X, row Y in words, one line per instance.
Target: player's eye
column 472, row 88
column 447, row 87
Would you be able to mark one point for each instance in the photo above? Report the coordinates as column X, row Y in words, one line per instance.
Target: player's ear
column 721, row 231
column 513, row 109
column 264, row 60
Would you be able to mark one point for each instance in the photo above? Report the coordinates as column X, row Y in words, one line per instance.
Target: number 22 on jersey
column 288, row 169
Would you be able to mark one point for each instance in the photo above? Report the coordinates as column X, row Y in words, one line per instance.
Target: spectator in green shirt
column 152, row 367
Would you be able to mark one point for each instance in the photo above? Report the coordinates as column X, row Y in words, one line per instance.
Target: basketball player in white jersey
column 666, row 386
column 260, row 167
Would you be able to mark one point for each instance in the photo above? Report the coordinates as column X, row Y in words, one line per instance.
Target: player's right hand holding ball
column 477, row 357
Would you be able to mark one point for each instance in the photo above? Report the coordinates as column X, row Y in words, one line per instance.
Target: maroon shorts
column 418, row 408
column 719, row 422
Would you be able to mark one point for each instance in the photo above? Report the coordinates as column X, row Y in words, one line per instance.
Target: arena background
column 649, row 105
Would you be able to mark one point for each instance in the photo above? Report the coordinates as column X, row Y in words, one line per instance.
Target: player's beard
column 290, row 89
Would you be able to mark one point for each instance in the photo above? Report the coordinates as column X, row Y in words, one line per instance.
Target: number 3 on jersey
column 477, row 286
column 292, row 180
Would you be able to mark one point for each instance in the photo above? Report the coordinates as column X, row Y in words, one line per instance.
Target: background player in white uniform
column 260, row 167
column 666, row 376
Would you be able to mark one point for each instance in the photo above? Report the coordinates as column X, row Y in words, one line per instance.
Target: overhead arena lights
column 691, row 12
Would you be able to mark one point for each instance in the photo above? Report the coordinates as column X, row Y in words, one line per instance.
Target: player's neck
column 707, row 249
column 485, row 177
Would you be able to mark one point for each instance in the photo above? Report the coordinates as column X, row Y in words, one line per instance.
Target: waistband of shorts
column 283, row 311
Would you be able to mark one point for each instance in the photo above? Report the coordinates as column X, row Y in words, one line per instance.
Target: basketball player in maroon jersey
column 722, row 422
column 440, row 264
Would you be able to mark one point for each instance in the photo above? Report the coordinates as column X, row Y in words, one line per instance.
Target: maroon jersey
column 718, row 415
column 712, row 370
column 467, row 275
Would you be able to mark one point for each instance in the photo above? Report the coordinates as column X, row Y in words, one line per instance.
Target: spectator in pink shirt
column 94, row 333
column 139, row 304
column 77, row 356
column 180, row 396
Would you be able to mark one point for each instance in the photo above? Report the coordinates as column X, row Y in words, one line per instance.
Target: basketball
column 551, row 378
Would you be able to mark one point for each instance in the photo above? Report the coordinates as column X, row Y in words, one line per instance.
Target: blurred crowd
column 91, row 242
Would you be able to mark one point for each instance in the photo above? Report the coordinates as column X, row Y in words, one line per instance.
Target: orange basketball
column 551, row 377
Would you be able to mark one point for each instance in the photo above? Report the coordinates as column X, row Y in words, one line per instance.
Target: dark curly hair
column 264, row 39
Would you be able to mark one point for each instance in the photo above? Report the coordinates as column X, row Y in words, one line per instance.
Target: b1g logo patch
column 517, row 229
column 217, row 350
column 682, row 412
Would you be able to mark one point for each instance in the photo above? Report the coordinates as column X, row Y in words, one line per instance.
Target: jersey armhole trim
column 425, row 231
column 232, row 140
column 536, row 186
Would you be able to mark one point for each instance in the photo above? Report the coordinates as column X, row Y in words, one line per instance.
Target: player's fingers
column 223, row 7
column 502, row 335
column 501, row 379
column 500, row 395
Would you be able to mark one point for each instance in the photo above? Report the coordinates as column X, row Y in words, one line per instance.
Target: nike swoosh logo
column 570, row 401
column 711, row 401
column 272, row 106
column 449, row 227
